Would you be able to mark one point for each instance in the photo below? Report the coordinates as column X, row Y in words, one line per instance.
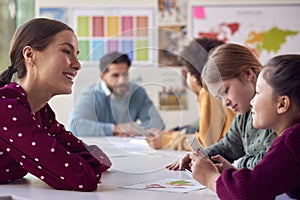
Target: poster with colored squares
column 104, row 30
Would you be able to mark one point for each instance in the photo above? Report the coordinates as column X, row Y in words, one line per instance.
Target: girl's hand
column 203, row 170
column 156, row 141
column 180, row 164
column 223, row 163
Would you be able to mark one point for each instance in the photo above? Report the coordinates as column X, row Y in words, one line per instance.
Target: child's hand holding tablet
column 195, row 145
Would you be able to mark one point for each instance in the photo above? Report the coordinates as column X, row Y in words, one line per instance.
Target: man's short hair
column 113, row 58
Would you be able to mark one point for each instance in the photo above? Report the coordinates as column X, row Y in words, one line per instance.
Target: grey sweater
column 95, row 113
column 243, row 142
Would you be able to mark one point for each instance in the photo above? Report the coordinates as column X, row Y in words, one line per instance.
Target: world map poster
column 269, row 29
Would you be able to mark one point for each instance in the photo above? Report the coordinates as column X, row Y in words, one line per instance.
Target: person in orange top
column 215, row 119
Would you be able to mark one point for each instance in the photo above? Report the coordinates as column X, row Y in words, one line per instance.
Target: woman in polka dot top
column 43, row 55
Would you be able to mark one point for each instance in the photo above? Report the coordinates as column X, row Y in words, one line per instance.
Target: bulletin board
column 268, row 29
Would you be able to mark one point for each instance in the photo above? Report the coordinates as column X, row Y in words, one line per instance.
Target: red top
column 38, row 144
column 278, row 172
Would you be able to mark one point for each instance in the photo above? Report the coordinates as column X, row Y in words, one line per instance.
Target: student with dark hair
column 43, row 56
column 215, row 118
column 108, row 107
column 276, row 106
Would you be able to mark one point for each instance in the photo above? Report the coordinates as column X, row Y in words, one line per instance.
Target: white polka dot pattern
column 25, row 137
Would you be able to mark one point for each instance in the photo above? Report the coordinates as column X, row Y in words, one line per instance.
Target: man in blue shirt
column 109, row 107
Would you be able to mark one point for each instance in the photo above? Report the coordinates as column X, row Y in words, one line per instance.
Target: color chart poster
column 104, row 30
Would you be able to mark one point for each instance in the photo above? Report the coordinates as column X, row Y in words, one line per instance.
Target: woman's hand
column 204, row 171
column 223, row 163
column 180, row 164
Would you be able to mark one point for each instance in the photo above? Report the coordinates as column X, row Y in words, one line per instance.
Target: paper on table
column 168, row 185
column 126, row 146
column 188, row 172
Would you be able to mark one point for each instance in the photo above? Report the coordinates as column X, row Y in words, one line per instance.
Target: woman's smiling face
column 58, row 63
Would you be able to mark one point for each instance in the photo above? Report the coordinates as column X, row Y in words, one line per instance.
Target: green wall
column 12, row 14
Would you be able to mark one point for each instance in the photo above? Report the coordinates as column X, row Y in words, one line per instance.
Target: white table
column 133, row 162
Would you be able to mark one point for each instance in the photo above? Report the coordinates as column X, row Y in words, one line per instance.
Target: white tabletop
column 133, row 162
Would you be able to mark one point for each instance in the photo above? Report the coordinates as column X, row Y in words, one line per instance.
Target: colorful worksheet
column 168, row 185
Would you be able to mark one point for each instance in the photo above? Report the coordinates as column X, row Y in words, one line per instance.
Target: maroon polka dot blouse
column 38, row 144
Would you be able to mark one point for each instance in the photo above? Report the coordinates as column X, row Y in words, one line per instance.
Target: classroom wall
column 89, row 74
column 63, row 104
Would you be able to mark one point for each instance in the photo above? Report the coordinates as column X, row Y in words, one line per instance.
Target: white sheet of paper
column 168, row 185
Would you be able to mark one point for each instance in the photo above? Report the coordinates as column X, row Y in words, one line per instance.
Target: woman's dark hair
column 195, row 55
column 282, row 73
column 37, row 33
column 113, row 58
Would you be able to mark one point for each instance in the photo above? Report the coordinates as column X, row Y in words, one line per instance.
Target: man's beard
column 120, row 91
